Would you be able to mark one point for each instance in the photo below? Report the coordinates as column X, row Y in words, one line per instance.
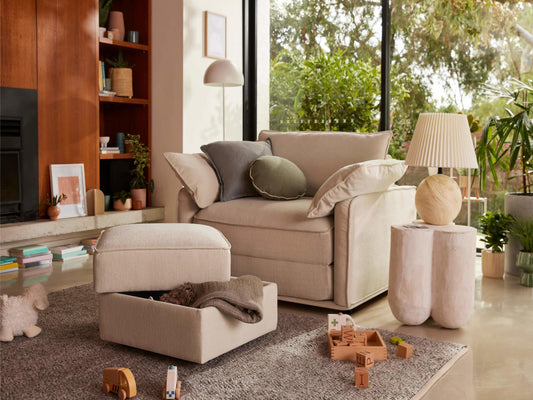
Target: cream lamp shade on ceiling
column 445, row 141
column 225, row 74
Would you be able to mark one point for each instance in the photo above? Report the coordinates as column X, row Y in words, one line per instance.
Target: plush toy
column 18, row 314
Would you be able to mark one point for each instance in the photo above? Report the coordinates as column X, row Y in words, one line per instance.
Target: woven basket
column 122, row 81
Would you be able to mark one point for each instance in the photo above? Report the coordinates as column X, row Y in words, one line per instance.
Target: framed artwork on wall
column 69, row 179
column 215, row 35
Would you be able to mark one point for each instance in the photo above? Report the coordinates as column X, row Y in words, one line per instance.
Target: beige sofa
column 335, row 261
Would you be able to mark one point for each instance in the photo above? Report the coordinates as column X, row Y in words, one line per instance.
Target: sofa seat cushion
column 278, row 230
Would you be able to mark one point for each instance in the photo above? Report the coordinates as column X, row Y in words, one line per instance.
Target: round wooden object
column 438, row 200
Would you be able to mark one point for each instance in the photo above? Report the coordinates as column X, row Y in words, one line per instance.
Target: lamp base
column 438, row 200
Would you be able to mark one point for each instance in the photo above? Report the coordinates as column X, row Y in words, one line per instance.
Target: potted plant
column 104, row 6
column 495, row 227
column 506, row 143
column 53, row 210
column 523, row 231
column 121, row 76
column 141, row 161
column 122, row 201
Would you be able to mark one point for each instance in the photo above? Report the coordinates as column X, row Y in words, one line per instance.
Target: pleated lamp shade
column 223, row 73
column 442, row 140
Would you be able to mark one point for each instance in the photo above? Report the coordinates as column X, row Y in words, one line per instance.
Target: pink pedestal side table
column 432, row 273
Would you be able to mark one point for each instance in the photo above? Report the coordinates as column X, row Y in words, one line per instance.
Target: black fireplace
column 19, row 163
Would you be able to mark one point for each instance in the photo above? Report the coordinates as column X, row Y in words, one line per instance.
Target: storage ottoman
column 134, row 262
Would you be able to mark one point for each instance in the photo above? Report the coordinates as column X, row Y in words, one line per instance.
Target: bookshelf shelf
column 122, row 100
column 122, row 44
column 120, row 156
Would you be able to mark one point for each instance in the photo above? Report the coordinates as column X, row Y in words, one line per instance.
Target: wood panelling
column 18, row 55
column 67, row 88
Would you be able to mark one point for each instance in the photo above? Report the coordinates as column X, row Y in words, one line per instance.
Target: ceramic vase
column 524, row 261
column 116, row 21
column 139, row 195
column 53, row 212
column 118, row 205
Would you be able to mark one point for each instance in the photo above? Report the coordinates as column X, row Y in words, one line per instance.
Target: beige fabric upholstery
column 197, row 335
column 320, row 154
column 197, row 175
column 362, row 242
column 277, row 230
column 159, row 257
column 187, row 208
column 354, row 180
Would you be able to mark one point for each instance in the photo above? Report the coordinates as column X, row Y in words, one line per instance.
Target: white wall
column 185, row 112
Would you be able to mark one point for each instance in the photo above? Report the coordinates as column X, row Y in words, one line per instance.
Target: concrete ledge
column 44, row 230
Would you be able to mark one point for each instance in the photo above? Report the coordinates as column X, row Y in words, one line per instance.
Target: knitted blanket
column 241, row 298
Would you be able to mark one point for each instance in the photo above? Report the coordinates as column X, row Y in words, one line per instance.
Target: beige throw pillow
column 197, row 175
column 354, row 180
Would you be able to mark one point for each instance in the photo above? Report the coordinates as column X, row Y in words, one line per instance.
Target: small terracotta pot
column 118, row 205
column 53, row 212
column 139, row 195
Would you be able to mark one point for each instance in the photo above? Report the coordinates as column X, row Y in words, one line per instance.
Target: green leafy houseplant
column 508, row 141
column 104, row 6
column 141, row 160
column 523, row 231
column 119, row 62
column 55, row 200
column 495, row 227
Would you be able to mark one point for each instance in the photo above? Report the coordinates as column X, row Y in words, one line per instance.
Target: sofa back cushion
column 320, row 154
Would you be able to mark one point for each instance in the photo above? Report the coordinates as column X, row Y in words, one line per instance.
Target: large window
column 324, row 62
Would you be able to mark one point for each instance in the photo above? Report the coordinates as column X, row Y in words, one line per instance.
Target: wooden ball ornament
column 438, row 200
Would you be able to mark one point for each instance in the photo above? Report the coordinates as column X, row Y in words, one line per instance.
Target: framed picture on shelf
column 69, row 179
column 215, row 35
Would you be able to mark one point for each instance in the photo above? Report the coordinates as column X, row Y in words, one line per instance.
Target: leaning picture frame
column 69, row 179
column 215, row 35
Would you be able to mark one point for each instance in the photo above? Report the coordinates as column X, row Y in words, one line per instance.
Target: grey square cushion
column 231, row 161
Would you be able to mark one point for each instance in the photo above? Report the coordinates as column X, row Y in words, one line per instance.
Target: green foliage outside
column 495, row 227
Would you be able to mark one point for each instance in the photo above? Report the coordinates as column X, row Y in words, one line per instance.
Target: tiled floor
column 498, row 366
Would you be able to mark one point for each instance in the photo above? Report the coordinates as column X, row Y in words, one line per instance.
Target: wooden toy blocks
column 360, row 339
column 347, row 333
column 361, row 377
column 405, row 350
column 364, row 359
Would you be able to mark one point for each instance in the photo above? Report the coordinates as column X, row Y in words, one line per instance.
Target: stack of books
column 109, row 150
column 8, row 264
column 69, row 253
column 89, row 244
column 32, row 255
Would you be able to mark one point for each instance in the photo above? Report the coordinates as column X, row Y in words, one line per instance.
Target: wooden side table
column 432, row 273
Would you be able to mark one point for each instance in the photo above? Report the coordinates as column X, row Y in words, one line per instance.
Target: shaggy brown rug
column 67, row 359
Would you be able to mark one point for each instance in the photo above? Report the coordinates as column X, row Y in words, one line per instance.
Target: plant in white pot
column 508, row 143
column 141, row 161
column 523, row 231
column 495, row 227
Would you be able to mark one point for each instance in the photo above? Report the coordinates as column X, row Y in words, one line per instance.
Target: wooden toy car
column 119, row 381
column 173, row 386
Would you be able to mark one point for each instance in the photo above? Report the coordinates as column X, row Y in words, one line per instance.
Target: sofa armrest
column 187, row 208
column 362, row 242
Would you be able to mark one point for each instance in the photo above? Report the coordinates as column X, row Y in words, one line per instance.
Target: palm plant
column 508, row 141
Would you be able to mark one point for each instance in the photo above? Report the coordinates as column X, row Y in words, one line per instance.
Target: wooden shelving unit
column 121, row 114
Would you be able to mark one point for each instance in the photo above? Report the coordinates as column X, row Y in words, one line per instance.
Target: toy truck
column 119, row 381
column 173, row 386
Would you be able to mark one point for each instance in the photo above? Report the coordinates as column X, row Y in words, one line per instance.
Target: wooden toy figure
column 361, row 377
column 173, row 386
column 119, row 381
column 405, row 350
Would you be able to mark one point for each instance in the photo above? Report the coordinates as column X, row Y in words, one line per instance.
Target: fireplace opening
column 19, row 164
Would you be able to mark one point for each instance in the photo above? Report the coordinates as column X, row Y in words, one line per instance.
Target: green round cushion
column 277, row 178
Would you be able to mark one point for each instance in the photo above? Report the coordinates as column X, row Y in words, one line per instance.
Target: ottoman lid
column 160, row 237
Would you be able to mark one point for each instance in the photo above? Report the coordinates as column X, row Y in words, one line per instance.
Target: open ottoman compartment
column 125, row 280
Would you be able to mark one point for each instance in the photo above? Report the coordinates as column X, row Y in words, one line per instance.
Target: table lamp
column 223, row 73
column 443, row 141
